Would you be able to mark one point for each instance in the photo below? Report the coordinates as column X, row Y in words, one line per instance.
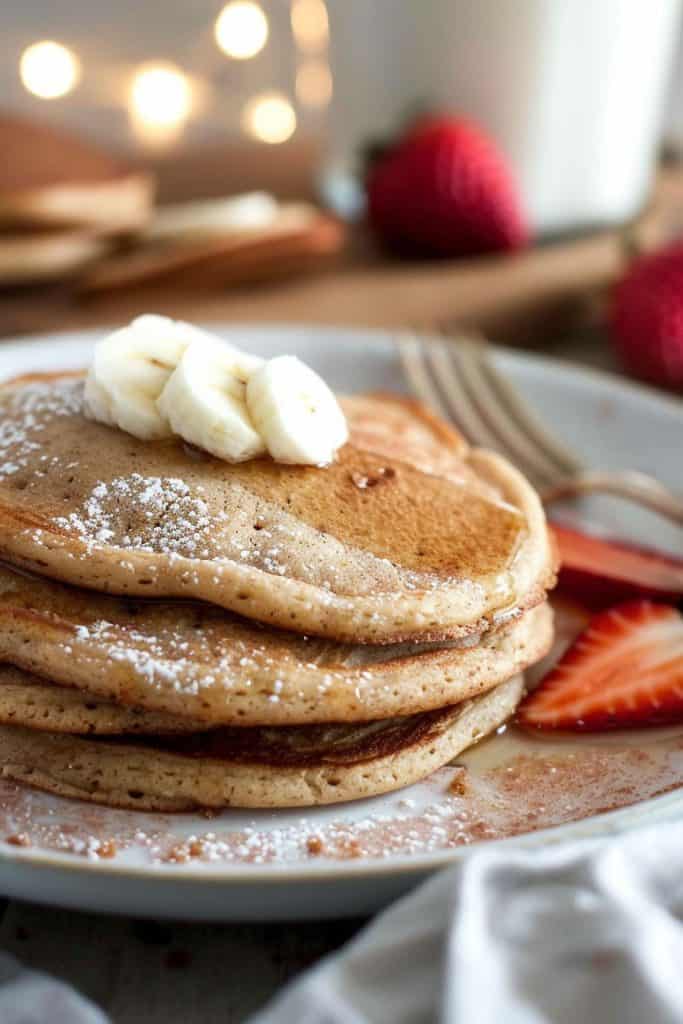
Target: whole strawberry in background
column 646, row 318
column 444, row 189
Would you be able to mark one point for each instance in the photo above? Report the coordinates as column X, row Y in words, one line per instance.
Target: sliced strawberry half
column 624, row 671
column 600, row 573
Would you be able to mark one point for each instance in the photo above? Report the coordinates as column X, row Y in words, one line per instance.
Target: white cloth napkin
column 587, row 932
column 31, row 997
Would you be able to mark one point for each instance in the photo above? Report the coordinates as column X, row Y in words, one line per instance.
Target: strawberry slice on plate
column 625, row 670
column 600, row 573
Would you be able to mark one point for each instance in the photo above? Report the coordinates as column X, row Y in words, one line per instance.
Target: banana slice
column 98, row 405
column 130, row 369
column 205, row 400
column 295, row 412
column 159, row 377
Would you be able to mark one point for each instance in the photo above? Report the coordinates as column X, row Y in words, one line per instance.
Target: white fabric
column 586, row 932
column 31, row 997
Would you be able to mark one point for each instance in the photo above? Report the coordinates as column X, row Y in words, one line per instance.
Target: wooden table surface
column 145, row 972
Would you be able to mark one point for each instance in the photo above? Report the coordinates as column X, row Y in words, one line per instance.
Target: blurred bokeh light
column 310, row 25
column 241, row 29
column 269, row 117
column 49, row 70
column 160, row 101
column 314, row 83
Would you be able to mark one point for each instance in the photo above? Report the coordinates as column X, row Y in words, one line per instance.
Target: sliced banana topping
column 98, row 405
column 159, row 377
column 205, row 401
column 295, row 412
column 129, row 371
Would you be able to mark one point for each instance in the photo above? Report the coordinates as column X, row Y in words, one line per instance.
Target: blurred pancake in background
column 70, row 210
column 198, row 244
column 52, row 179
column 63, row 202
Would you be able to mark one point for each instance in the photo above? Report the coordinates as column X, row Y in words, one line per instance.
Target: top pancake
column 407, row 536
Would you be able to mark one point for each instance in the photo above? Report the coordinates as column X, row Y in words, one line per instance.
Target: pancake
column 50, row 178
column 294, row 767
column 395, row 541
column 30, row 701
column 31, row 258
column 199, row 661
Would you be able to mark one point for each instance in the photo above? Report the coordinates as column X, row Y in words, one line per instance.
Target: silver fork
column 457, row 379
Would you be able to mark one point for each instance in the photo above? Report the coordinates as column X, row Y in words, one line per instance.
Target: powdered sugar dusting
column 174, row 520
column 29, row 411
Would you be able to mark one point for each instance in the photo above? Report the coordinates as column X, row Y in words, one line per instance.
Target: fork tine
column 461, row 377
column 412, row 359
column 448, row 375
column 452, row 383
column 509, row 437
column 423, row 375
column 529, row 424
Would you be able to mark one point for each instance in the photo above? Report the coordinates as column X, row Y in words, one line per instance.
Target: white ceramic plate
column 352, row 859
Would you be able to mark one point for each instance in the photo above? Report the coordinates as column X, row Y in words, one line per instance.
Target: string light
column 310, row 25
column 161, row 97
column 241, row 29
column 269, row 117
column 160, row 101
column 49, row 70
column 314, row 84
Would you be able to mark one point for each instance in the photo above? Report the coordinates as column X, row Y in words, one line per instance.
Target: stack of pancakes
column 177, row 632
column 62, row 201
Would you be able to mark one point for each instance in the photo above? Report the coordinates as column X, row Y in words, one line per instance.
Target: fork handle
column 637, row 487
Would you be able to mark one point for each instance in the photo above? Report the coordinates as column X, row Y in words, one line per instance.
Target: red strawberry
column 646, row 318
column 445, row 190
column 599, row 573
column 624, row 670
